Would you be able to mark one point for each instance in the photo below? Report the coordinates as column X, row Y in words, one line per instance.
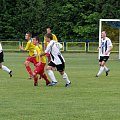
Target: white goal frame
column 100, row 30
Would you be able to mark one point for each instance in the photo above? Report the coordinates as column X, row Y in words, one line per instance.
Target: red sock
column 36, row 81
column 45, row 78
column 29, row 70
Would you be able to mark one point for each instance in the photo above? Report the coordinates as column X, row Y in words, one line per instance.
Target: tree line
column 69, row 19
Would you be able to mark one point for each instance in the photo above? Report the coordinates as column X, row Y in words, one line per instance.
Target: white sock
column 101, row 70
column 105, row 68
column 51, row 75
column 65, row 77
column 5, row 68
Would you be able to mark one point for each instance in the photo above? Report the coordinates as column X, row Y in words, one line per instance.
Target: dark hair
column 48, row 27
column 49, row 35
column 29, row 33
column 37, row 38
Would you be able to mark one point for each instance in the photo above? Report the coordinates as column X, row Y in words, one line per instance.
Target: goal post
column 112, row 22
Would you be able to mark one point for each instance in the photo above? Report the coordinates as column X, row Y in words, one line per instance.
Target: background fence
column 67, row 46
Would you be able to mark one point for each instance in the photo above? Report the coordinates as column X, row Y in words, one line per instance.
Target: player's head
column 28, row 35
column 48, row 37
column 48, row 29
column 103, row 34
column 35, row 40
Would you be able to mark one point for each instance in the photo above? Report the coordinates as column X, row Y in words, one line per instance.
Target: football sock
column 45, row 78
column 36, row 80
column 51, row 75
column 6, row 69
column 105, row 68
column 65, row 77
column 101, row 70
column 29, row 70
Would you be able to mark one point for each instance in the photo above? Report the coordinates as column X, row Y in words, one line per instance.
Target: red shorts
column 32, row 60
column 40, row 69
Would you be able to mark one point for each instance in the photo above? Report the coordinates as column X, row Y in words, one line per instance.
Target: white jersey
column 0, row 47
column 105, row 45
column 54, row 49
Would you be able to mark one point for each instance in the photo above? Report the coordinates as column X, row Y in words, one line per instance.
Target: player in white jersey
column 105, row 48
column 3, row 67
column 57, row 60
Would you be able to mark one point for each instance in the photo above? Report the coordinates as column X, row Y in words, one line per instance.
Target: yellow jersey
column 30, row 47
column 38, row 48
column 54, row 38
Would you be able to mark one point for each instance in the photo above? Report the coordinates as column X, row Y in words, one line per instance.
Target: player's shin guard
column 51, row 75
column 65, row 77
column 29, row 70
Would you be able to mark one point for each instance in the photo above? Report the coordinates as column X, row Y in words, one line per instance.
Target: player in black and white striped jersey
column 105, row 48
column 57, row 60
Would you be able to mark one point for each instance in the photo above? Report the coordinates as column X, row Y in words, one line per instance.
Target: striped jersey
column 54, row 49
column 105, row 45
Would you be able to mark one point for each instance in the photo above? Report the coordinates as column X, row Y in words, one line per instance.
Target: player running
column 31, row 58
column 3, row 67
column 41, row 63
column 48, row 29
column 57, row 60
column 105, row 48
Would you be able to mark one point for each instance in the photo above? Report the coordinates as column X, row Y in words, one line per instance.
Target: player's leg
column 50, row 68
column 3, row 67
column 35, row 76
column 42, row 74
column 26, row 63
column 107, row 70
column 36, row 80
column 1, row 59
column 61, row 68
column 101, row 69
column 103, row 61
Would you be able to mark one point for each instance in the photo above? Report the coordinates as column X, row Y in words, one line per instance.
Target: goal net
column 112, row 27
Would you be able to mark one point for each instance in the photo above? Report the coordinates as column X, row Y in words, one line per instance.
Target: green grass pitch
column 88, row 97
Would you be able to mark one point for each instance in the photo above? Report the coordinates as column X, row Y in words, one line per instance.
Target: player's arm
column 26, row 48
column 21, row 48
column 42, row 54
column 45, row 52
column 98, row 48
column 109, row 49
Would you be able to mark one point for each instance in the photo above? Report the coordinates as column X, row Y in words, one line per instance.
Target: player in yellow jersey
column 41, row 63
column 54, row 37
column 48, row 29
column 31, row 58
